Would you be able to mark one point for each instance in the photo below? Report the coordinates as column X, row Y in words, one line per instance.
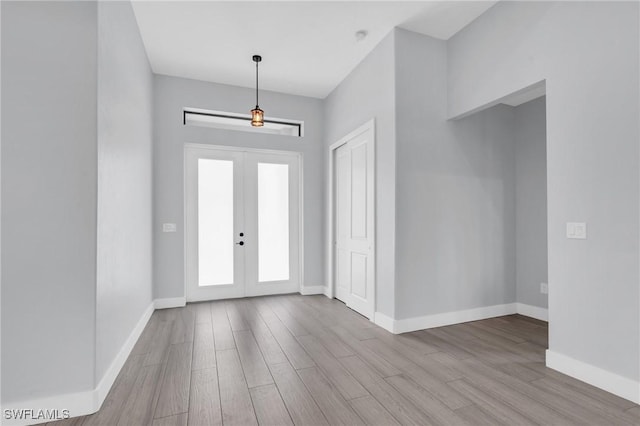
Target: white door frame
column 198, row 146
column 331, row 238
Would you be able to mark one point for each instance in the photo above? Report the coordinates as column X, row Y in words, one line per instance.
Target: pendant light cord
column 257, row 84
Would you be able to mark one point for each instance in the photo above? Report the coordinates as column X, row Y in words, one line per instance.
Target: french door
column 242, row 223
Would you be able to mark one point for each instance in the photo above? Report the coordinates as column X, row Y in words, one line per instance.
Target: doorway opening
column 242, row 222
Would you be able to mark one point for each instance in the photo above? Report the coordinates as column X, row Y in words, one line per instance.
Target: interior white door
column 354, row 222
column 242, row 223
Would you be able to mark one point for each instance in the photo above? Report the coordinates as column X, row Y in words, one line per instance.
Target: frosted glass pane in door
column 215, row 222
column 273, row 222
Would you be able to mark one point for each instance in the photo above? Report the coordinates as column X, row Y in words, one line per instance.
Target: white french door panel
column 273, row 256
column 214, row 207
column 242, row 223
column 354, row 222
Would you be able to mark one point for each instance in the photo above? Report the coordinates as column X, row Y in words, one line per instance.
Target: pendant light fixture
column 257, row 115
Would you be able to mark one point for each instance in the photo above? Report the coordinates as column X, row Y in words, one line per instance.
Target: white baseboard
column 114, row 369
column 531, row 311
column 170, row 302
column 384, row 321
column 449, row 318
column 78, row 404
column 596, row 376
column 314, row 289
column 456, row 317
column 81, row 403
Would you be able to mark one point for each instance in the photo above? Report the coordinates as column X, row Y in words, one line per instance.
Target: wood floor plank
column 271, row 350
column 438, row 389
column 111, row 409
column 235, row 400
column 578, row 410
column 381, row 365
column 504, row 413
column 405, row 343
column 329, row 340
column 585, row 405
column 301, row 406
column 222, row 334
column 160, row 345
column 635, row 412
column 203, row 312
column 148, row 335
column 474, row 415
column 174, row 394
column 296, row 355
column 236, row 320
column 72, row 421
column 204, row 398
column 337, row 374
column 290, row 322
column 492, row 383
column 593, row 392
column 255, row 369
column 335, row 408
column 140, row 406
column 269, row 406
column 183, row 324
column 204, row 349
column 444, row 345
column 177, row 420
column 439, row 412
column 373, row 414
column 397, row 405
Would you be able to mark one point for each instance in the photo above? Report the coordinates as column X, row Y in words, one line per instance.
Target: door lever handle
column 241, row 243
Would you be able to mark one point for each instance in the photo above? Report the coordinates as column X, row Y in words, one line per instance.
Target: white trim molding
column 447, row 318
column 116, row 365
column 531, row 311
column 596, row 376
column 456, row 317
column 384, row 321
column 309, row 290
column 87, row 402
column 170, row 302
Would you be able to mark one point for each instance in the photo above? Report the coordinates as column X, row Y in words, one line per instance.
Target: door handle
column 241, row 243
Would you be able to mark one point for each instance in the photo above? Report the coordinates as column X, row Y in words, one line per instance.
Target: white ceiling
column 308, row 47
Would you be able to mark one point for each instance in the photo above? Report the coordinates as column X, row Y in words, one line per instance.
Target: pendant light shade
column 257, row 115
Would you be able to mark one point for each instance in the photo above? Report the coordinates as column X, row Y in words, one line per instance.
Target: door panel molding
column 361, row 238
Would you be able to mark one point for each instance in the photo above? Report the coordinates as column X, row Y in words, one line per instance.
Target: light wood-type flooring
column 309, row 360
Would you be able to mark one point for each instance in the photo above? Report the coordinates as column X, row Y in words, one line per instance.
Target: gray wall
column 531, row 202
column 171, row 96
column 368, row 92
column 49, row 179
column 588, row 52
column 455, row 231
column 124, row 268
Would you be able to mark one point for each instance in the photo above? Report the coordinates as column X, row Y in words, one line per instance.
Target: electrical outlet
column 544, row 288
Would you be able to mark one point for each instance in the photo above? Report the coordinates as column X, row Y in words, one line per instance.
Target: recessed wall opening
column 240, row 122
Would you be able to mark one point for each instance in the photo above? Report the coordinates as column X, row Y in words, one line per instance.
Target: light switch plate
column 544, row 288
column 169, row 227
column 577, row 230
